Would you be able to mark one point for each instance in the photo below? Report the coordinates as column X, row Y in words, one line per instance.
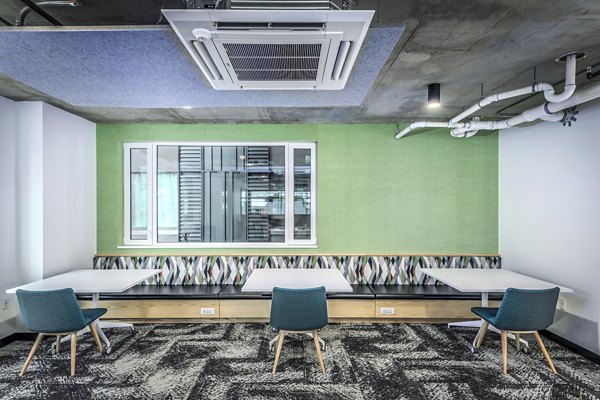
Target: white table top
column 264, row 280
column 487, row 280
column 92, row 280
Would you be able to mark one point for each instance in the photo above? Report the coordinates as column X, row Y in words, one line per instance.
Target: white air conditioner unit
column 272, row 49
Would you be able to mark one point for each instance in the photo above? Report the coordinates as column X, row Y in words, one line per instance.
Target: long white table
column 94, row 282
column 486, row 281
column 264, row 280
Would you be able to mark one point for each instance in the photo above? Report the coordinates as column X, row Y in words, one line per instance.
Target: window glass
column 219, row 194
column 167, row 194
column 138, row 194
column 302, row 194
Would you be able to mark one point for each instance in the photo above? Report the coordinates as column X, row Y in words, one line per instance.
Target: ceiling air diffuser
column 272, row 49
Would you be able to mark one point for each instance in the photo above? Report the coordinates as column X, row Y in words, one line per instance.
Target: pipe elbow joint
column 404, row 132
column 557, row 98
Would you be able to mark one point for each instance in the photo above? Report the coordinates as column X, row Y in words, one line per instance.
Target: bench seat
column 155, row 292
column 358, row 292
column 230, row 302
column 235, row 292
column 430, row 292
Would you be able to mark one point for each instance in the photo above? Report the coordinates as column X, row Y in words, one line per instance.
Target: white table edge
column 427, row 271
column 347, row 289
column 267, row 292
column 152, row 272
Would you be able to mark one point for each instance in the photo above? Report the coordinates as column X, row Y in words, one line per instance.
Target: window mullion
column 289, row 194
column 152, row 193
column 313, row 193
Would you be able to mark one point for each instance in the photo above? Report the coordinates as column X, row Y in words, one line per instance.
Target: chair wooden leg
column 96, row 337
column 73, row 351
column 538, row 339
column 34, row 349
column 278, row 352
column 318, row 348
column 482, row 333
column 504, row 337
column 518, row 341
column 57, row 344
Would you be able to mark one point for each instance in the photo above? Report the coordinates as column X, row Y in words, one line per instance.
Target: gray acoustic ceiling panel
column 148, row 68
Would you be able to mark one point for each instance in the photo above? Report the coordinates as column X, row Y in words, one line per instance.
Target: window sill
column 220, row 246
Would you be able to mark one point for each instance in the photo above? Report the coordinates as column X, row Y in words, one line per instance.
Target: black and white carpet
column 233, row 361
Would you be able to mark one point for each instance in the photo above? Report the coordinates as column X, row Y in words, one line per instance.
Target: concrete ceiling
column 459, row 44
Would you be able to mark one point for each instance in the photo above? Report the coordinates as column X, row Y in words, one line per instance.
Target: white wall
column 29, row 193
column 549, row 214
column 8, row 266
column 69, row 191
column 47, row 196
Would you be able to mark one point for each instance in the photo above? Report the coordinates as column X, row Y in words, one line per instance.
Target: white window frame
column 290, row 201
column 152, row 241
column 127, row 147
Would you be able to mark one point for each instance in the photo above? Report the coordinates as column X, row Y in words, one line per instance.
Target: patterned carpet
column 232, row 361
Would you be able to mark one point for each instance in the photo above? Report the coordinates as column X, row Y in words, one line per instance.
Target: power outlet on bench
column 207, row 311
column 386, row 311
column 562, row 304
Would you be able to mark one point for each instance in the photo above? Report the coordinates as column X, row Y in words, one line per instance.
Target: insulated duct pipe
column 536, row 87
column 570, row 60
column 468, row 129
column 422, row 124
column 20, row 20
column 548, row 89
column 547, row 111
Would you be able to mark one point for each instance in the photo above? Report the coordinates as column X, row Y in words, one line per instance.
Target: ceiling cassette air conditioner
column 272, row 49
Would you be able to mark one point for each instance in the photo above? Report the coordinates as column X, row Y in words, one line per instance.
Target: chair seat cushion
column 92, row 314
column 487, row 313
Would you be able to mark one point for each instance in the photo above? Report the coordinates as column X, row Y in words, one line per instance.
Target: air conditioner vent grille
column 277, row 75
column 272, row 50
column 278, row 63
column 274, row 62
column 268, row 48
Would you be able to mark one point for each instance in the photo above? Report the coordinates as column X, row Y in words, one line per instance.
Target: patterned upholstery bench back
column 216, row 270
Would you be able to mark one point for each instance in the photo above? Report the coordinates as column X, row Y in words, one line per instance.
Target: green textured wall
column 425, row 194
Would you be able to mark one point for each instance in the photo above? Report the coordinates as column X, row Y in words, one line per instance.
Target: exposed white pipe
column 538, row 87
column 468, row 129
column 571, row 61
column 549, row 93
column 462, row 133
column 546, row 111
column 553, row 117
column 421, row 124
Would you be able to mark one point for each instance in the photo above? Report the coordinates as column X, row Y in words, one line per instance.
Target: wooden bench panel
column 245, row 308
column 156, row 309
column 347, row 308
column 429, row 309
column 420, row 309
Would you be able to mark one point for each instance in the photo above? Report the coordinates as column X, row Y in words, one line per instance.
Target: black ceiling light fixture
column 433, row 95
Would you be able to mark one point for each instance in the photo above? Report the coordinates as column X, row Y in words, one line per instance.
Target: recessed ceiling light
column 187, row 107
column 433, row 95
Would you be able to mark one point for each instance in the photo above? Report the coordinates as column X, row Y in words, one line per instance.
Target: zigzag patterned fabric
column 361, row 270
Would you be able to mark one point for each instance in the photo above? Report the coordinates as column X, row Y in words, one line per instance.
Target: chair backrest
column 299, row 309
column 527, row 310
column 50, row 311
